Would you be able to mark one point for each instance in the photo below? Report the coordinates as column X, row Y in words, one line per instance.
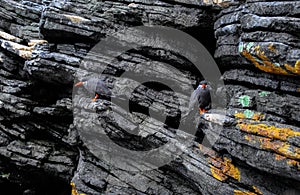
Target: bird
column 95, row 85
column 202, row 96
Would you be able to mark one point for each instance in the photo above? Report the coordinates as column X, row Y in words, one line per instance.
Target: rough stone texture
column 252, row 148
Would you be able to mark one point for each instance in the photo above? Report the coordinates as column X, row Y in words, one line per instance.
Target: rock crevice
column 249, row 147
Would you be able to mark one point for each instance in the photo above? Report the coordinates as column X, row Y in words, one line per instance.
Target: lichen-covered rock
column 263, row 34
column 263, row 87
column 48, row 138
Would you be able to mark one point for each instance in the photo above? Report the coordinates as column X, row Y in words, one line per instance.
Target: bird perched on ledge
column 202, row 95
column 95, row 85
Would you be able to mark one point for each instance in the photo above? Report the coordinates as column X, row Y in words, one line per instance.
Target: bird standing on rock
column 95, row 85
column 202, row 95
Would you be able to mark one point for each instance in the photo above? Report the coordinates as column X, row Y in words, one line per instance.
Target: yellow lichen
column 269, row 131
column 218, row 174
column 263, row 63
column 291, row 162
column 267, row 143
column 76, row 19
column 239, row 115
column 279, row 157
column 266, row 66
column 231, row 170
column 74, row 191
column 257, row 190
column 294, row 163
column 295, row 69
column 276, row 146
column 221, row 168
column 249, row 138
column 272, row 48
column 238, row 192
column 256, row 116
column 257, row 48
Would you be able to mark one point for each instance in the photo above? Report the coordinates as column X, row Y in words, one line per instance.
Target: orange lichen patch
column 272, row 68
column 257, row 48
column 268, row 131
column 272, row 48
column 266, row 65
column 218, row 174
column 34, row 42
column 250, row 138
column 290, row 151
column 261, row 54
column 74, row 191
column 256, row 116
column 295, row 69
column 238, row 192
column 239, row 115
column 279, row 157
column 261, row 61
column 288, row 161
column 276, row 146
column 294, row 163
column 231, row 170
column 221, row 168
column 280, row 147
column 76, row 19
column 257, row 190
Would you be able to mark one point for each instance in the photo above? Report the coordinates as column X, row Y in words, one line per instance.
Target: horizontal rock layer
column 51, row 133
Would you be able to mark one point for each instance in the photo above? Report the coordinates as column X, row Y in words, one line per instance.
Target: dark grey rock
column 43, row 129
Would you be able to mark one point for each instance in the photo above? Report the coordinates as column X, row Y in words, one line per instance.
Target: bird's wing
column 193, row 100
column 91, row 84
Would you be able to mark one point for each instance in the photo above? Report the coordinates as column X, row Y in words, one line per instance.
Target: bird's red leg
column 201, row 111
column 78, row 84
column 95, row 98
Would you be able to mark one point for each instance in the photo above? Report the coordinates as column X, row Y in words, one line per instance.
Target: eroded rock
column 251, row 146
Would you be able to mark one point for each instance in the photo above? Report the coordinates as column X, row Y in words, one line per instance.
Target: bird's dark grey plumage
column 201, row 96
column 97, row 86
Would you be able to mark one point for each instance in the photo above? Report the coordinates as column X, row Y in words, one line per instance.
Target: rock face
column 48, row 139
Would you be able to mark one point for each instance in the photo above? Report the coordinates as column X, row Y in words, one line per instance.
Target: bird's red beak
column 79, row 84
column 203, row 86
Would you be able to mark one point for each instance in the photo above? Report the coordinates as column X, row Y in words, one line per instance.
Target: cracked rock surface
column 52, row 135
